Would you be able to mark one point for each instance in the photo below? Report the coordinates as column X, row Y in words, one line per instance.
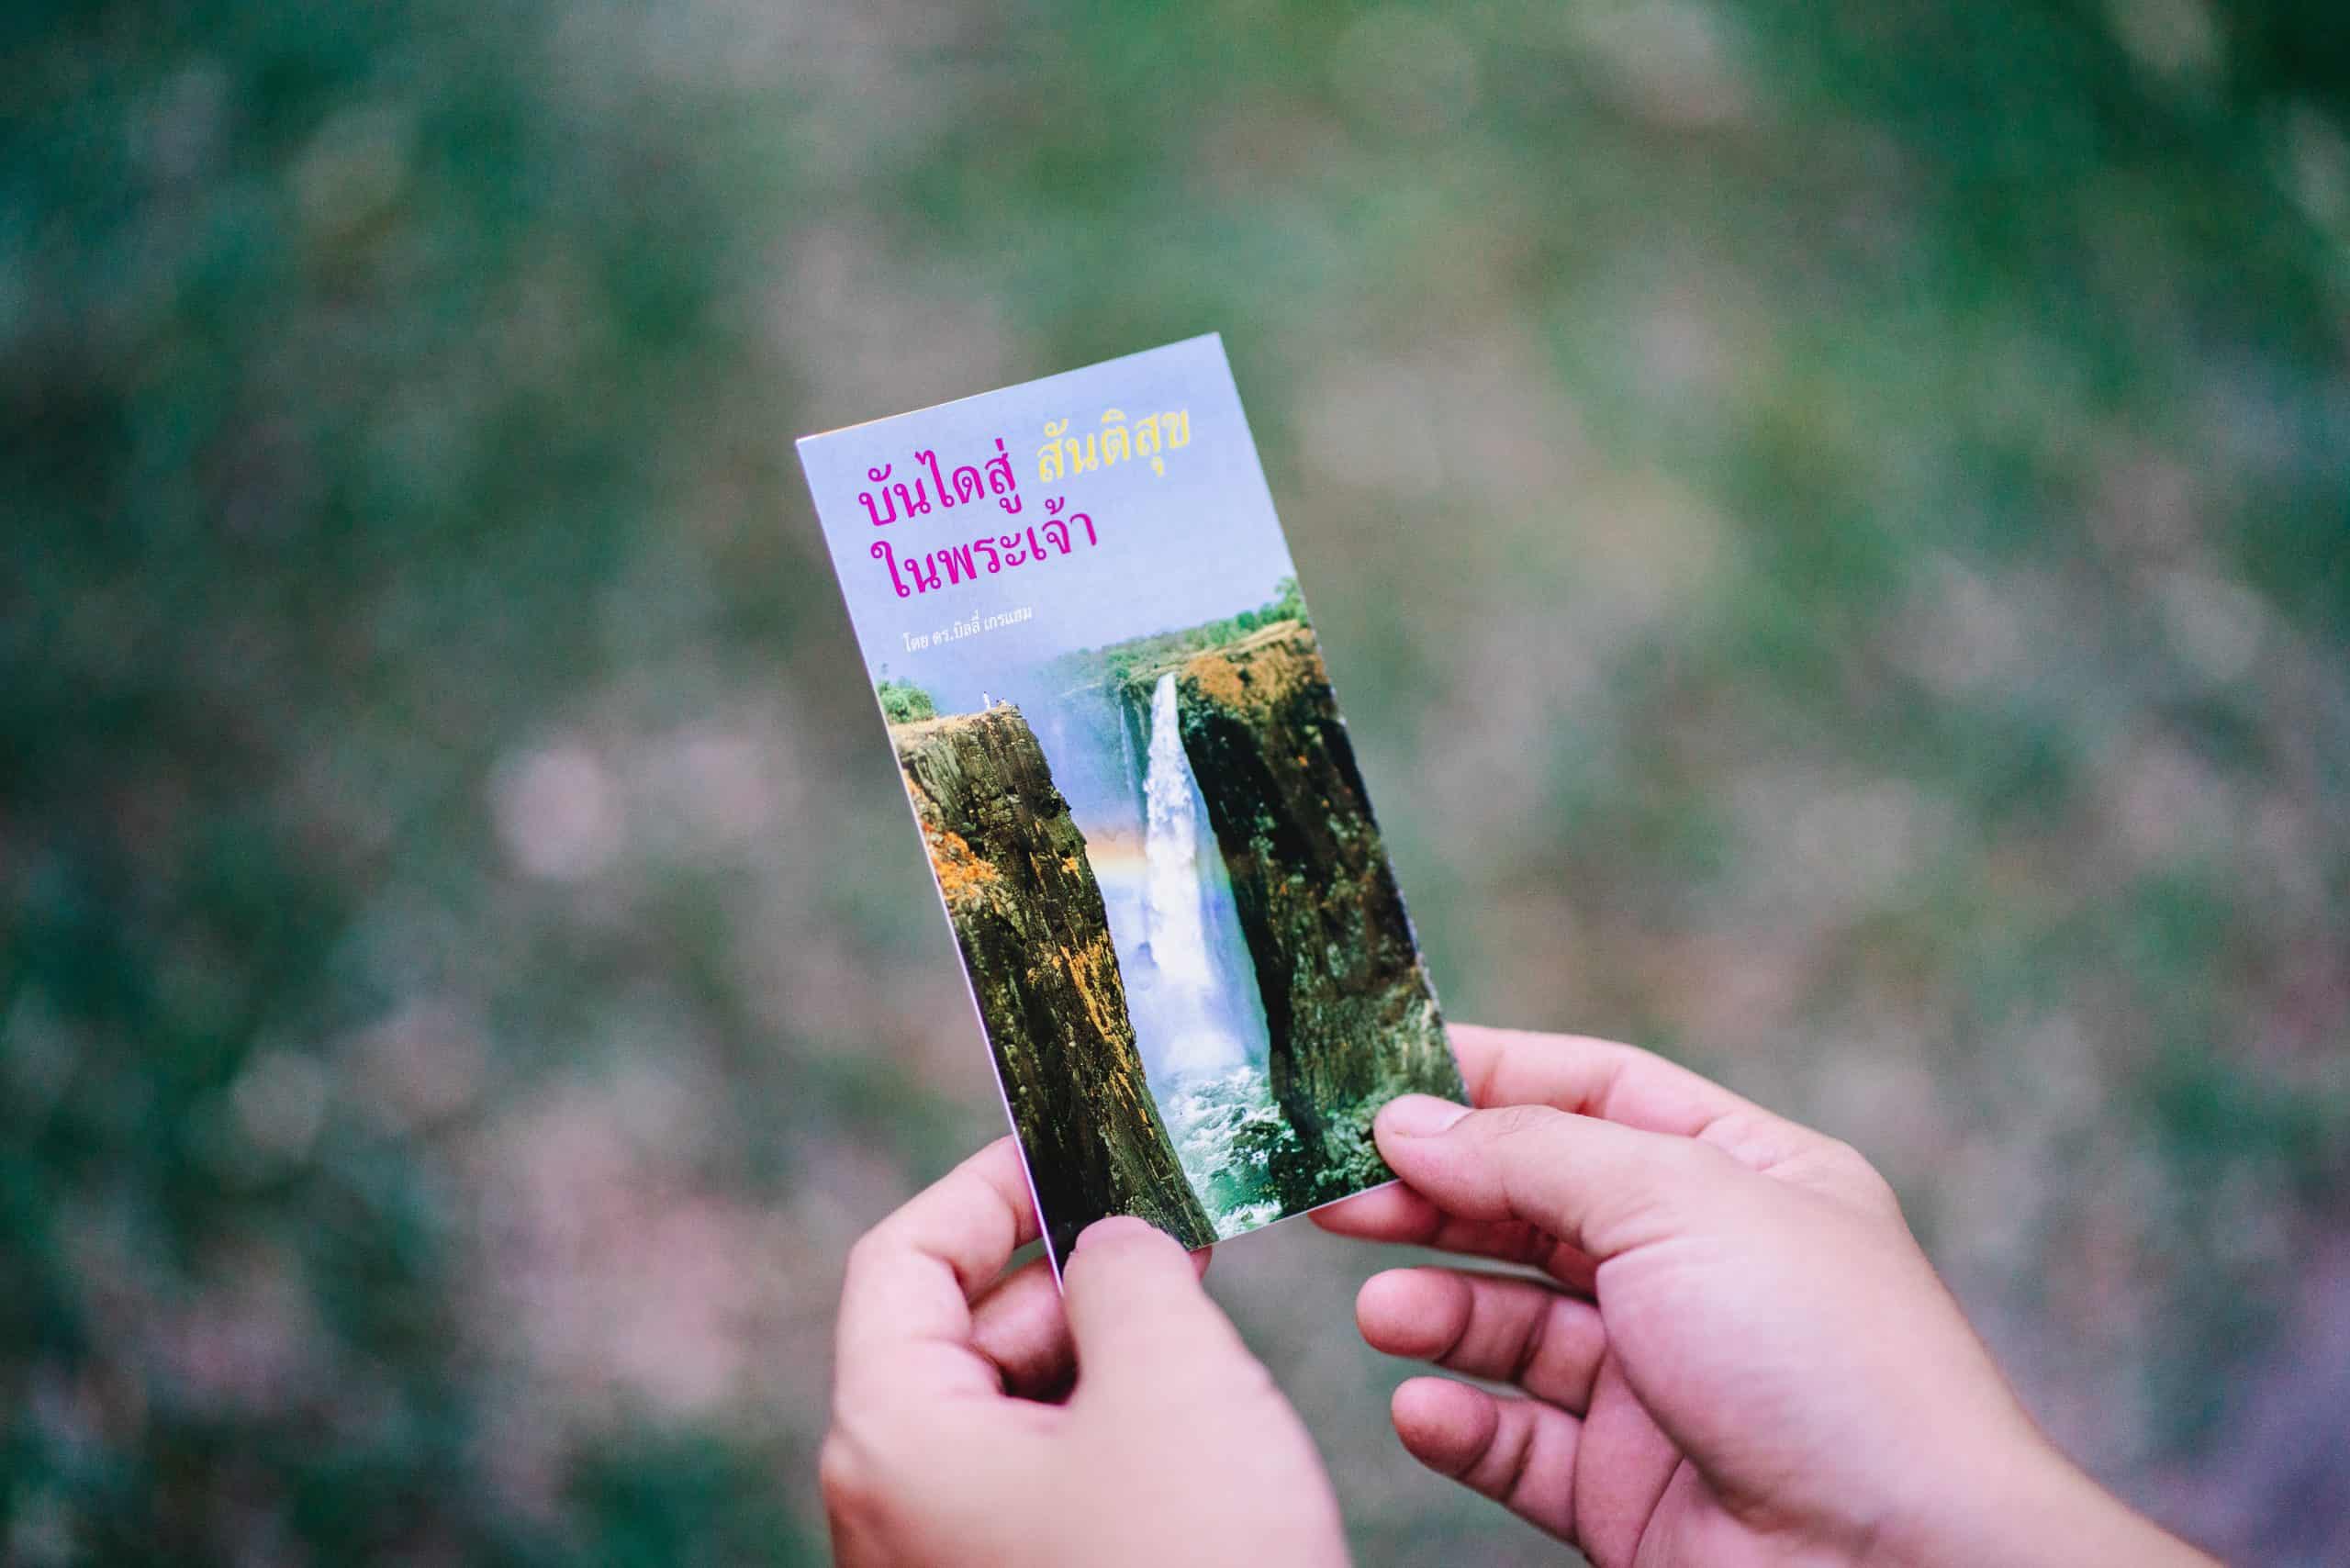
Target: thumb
column 1598, row 1186
column 1137, row 1312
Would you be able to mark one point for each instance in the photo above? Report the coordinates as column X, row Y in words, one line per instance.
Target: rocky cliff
column 1027, row 914
column 1352, row 1018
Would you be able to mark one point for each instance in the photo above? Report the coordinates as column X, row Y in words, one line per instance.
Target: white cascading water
column 1203, row 995
column 1127, row 753
column 1198, row 1016
column 1191, row 989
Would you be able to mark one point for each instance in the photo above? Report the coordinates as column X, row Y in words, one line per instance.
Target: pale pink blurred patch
column 613, row 1279
column 558, row 812
column 421, row 1065
column 247, row 1341
column 607, row 1273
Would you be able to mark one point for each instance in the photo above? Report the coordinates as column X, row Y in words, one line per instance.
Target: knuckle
column 1840, row 1158
column 1684, row 1161
column 1842, row 1173
column 874, row 1457
column 863, row 1251
column 1697, row 1155
column 1685, row 1177
column 1498, row 1468
column 847, row 1475
column 1843, row 1158
column 1858, row 1175
column 1751, row 1136
column 1521, row 1125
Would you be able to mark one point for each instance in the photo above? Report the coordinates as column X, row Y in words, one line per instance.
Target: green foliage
column 1141, row 659
column 357, row 375
column 658, row 1500
column 903, row 702
column 1288, row 604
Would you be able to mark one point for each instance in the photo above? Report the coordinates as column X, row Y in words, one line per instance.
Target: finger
column 1626, row 1462
column 905, row 1323
column 1505, row 1330
column 1138, row 1314
column 1394, row 1213
column 1019, row 1325
column 1601, row 1188
column 1520, row 1453
column 1617, row 1083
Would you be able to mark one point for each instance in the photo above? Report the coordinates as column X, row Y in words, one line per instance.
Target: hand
column 958, row 1435
column 1739, row 1355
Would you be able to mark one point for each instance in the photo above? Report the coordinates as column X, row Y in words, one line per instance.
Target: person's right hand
column 1739, row 1355
column 983, row 1418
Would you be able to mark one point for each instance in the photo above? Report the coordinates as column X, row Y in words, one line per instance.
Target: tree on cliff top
column 1288, row 603
column 1119, row 665
column 903, row 702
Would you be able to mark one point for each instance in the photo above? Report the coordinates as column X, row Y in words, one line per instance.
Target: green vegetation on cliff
column 1028, row 916
column 1119, row 666
column 903, row 702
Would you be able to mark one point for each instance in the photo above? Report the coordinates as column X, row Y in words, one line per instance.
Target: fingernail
column 1419, row 1115
column 1107, row 1230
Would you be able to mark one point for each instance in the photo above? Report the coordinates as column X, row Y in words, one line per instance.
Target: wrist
column 2024, row 1504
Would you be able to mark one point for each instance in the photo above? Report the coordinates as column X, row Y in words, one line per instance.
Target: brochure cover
column 1110, row 708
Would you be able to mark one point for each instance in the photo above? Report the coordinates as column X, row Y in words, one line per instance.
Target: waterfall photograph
column 1196, row 971
column 1137, row 798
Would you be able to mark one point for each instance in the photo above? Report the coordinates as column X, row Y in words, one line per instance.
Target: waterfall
column 1191, row 989
column 1201, row 993
column 1125, row 748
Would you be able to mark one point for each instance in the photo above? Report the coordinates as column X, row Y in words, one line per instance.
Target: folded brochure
column 1108, row 703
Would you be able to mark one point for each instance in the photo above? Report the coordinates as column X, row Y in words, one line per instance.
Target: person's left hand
column 979, row 1420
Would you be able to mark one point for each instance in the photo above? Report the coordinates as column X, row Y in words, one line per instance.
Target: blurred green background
column 1833, row 523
